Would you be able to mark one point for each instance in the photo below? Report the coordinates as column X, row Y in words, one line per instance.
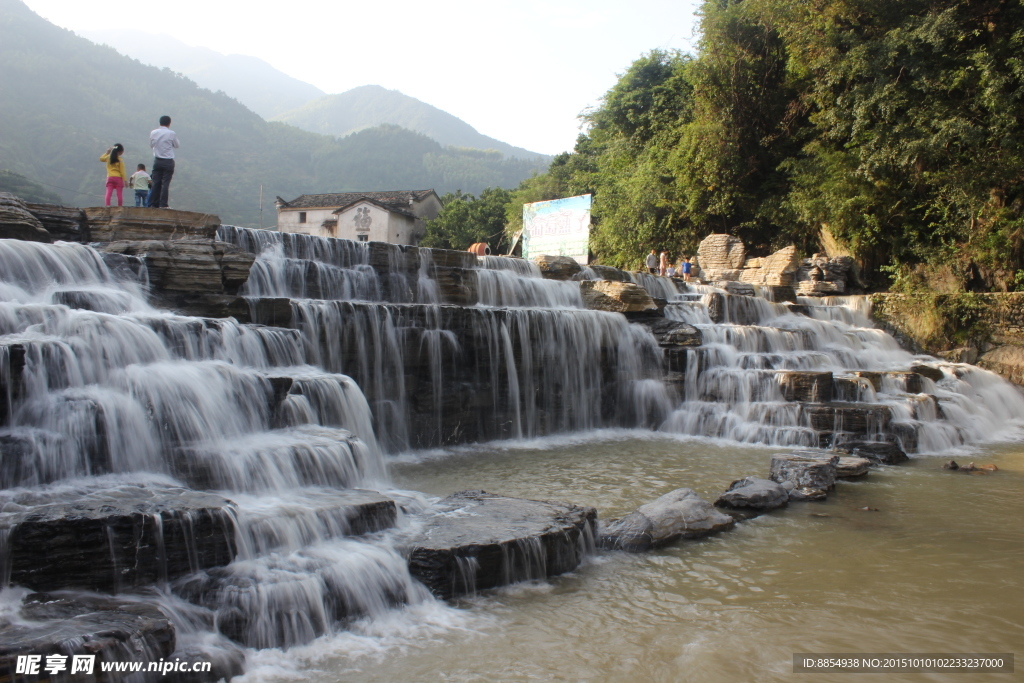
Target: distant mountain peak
column 369, row 106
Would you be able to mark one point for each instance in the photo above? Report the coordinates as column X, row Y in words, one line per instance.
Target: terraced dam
column 299, row 457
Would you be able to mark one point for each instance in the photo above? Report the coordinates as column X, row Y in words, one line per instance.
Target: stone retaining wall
column 985, row 329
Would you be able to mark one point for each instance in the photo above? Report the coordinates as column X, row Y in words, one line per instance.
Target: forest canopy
column 890, row 129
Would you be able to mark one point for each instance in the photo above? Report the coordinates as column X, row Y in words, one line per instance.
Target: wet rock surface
column 679, row 514
column 108, row 539
column 852, row 466
column 811, row 475
column 753, row 493
column 670, row 333
column 71, row 624
column 880, row 453
column 475, row 540
column 860, row 419
column 195, row 266
column 807, row 386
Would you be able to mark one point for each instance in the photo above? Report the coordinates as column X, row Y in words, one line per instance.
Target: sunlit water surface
column 936, row 568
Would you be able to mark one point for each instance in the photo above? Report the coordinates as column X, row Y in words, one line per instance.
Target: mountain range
column 66, row 100
column 250, row 80
column 275, row 95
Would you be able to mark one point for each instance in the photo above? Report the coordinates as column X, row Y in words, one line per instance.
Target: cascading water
column 114, row 395
column 735, row 392
column 107, row 384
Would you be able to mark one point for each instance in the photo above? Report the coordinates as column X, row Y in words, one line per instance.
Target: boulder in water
column 17, row 223
column 557, row 267
column 811, row 475
column 676, row 515
column 69, row 624
column 851, row 466
column 475, row 540
column 753, row 493
column 114, row 537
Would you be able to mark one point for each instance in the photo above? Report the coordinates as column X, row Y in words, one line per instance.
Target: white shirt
column 163, row 140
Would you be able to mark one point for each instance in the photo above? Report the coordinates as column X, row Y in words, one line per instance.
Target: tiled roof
column 392, row 199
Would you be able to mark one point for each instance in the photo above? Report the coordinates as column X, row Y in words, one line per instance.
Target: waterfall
column 390, row 348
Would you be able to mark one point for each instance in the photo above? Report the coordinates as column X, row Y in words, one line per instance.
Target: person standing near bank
column 164, row 141
column 139, row 182
column 116, row 176
column 652, row 262
column 663, row 263
column 687, row 268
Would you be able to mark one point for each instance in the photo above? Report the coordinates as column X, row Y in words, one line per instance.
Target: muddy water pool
column 933, row 565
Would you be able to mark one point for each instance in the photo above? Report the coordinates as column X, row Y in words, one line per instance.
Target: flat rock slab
column 475, row 540
column 111, row 223
column 880, row 453
column 113, row 538
column 852, row 466
column 69, row 624
column 753, row 493
column 679, row 514
column 807, row 476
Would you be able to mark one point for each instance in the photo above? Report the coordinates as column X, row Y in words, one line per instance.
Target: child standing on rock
column 116, row 177
column 140, row 181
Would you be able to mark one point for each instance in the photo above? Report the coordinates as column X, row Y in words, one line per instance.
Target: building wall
column 288, row 221
column 363, row 219
column 382, row 226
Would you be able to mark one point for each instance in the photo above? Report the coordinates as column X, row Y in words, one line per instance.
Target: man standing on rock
column 164, row 141
column 652, row 262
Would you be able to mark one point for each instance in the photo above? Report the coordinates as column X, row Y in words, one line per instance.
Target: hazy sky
column 518, row 71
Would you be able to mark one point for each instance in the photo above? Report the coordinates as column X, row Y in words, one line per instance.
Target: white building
column 399, row 216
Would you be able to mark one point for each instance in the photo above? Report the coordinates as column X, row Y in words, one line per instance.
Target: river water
column 932, row 566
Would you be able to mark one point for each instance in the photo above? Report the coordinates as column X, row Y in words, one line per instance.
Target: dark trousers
column 163, row 171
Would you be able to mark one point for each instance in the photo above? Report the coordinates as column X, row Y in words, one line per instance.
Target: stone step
column 308, row 516
column 113, row 537
column 66, row 625
column 475, row 540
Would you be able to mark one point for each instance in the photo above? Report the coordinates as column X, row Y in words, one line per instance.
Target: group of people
column 660, row 265
column 150, row 190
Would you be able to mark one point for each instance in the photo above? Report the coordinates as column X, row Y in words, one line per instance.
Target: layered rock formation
column 721, row 257
column 16, row 222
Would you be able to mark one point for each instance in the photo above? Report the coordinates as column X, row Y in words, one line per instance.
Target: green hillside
column 371, row 105
column 66, row 100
